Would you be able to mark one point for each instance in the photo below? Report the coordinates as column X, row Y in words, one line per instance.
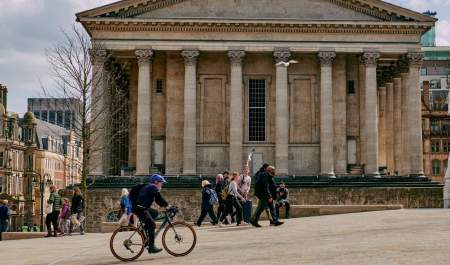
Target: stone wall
column 102, row 201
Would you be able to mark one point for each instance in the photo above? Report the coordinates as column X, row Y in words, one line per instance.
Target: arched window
column 445, row 166
column 436, row 167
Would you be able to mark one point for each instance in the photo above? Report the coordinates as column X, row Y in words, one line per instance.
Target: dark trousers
column 52, row 219
column 210, row 212
column 147, row 216
column 265, row 205
column 227, row 209
column 234, row 202
column 221, row 208
column 284, row 204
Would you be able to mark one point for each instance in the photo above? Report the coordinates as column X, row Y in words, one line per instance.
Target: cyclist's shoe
column 153, row 249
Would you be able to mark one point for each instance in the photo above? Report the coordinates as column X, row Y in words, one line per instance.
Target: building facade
column 435, row 77
column 209, row 84
column 64, row 112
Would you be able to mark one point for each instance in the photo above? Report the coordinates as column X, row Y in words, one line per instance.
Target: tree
column 85, row 71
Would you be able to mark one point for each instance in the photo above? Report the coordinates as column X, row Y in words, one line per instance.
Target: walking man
column 52, row 218
column 4, row 216
column 265, row 191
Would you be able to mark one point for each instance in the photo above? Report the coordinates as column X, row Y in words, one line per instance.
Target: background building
column 435, row 77
column 64, row 112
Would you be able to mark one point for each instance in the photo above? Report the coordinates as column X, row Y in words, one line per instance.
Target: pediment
column 307, row 10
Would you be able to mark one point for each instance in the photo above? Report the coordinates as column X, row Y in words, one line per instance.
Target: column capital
column 282, row 55
column 370, row 59
column 190, row 56
column 326, row 58
column 415, row 59
column 144, row 55
column 98, row 56
column 236, row 56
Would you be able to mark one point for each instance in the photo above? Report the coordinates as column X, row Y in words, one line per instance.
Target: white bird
column 286, row 64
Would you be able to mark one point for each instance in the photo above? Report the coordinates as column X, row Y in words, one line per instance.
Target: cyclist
column 146, row 196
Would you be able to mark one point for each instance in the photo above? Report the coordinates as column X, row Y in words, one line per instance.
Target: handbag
column 74, row 220
column 49, row 208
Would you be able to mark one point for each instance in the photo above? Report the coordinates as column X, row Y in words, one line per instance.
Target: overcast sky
column 28, row 27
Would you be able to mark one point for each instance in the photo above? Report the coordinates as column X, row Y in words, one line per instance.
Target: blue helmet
column 157, row 178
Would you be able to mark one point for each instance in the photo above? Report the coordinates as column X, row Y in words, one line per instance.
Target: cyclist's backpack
column 225, row 192
column 133, row 195
column 213, row 199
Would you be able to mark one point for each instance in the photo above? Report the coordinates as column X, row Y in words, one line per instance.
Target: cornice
column 117, row 25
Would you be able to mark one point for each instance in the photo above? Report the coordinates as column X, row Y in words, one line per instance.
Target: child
column 64, row 217
column 207, row 207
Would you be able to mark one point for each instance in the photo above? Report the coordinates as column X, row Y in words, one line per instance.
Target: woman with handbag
column 76, row 209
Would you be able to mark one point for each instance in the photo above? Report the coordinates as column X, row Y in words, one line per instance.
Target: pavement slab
column 399, row 237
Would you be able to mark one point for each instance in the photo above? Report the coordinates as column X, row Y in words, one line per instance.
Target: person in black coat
column 76, row 208
column 207, row 207
column 266, row 192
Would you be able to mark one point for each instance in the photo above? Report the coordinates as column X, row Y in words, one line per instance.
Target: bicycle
column 130, row 240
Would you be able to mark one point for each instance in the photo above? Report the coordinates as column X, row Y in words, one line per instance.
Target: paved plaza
column 376, row 238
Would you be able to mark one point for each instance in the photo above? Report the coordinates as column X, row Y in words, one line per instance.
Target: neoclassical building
column 207, row 86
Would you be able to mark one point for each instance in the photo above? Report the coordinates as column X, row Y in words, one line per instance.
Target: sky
column 29, row 27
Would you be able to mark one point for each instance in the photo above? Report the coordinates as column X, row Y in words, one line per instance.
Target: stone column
column 371, row 128
column 382, row 124
column 97, row 159
column 362, row 111
column 144, row 127
column 190, row 112
column 389, row 127
column 397, row 122
column 236, row 110
column 404, row 69
column 326, row 114
column 282, row 113
column 414, row 115
column 340, row 114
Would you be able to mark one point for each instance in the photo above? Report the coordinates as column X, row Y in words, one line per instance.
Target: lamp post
column 42, row 182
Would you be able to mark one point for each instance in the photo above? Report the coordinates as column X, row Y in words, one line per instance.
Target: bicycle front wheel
column 179, row 239
column 127, row 243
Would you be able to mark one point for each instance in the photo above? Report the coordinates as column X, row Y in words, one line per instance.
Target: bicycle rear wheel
column 127, row 243
column 179, row 239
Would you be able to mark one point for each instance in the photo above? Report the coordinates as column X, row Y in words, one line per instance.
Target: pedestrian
column 52, row 217
column 64, row 217
column 283, row 199
column 235, row 199
column 125, row 207
column 209, row 198
column 244, row 189
column 219, row 188
column 76, row 210
column 4, row 216
column 266, row 194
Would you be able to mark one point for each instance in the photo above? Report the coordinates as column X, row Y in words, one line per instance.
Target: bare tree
column 85, row 71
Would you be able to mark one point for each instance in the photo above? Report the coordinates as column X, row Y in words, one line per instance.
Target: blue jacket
column 206, row 196
column 4, row 212
column 149, row 194
column 125, row 204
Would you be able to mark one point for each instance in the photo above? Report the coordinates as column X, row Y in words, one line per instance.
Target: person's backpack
column 225, row 192
column 133, row 195
column 213, row 199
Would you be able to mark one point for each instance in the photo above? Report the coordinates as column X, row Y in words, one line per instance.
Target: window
column 446, row 147
column 423, row 71
column 257, row 110
column 445, row 166
column 435, row 146
column 350, row 87
column 67, row 119
column 59, row 118
column 159, row 86
column 434, row 126
column 37, row 114
column 44, row 115
column 1, row 159
column 436, row 168
column 52, row 117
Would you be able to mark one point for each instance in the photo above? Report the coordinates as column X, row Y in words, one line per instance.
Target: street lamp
column 42, row 182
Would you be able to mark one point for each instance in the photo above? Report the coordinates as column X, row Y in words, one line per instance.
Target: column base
column 330, row 175
column 142, row 174
column 417, row 175
column 189, row 172
column 446, row 203
column 373, row 175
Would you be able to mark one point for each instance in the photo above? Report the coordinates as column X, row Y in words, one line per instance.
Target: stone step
column 22, row 235
column 298, row 211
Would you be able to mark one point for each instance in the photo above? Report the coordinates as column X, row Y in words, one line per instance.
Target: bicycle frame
column 166, row 221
